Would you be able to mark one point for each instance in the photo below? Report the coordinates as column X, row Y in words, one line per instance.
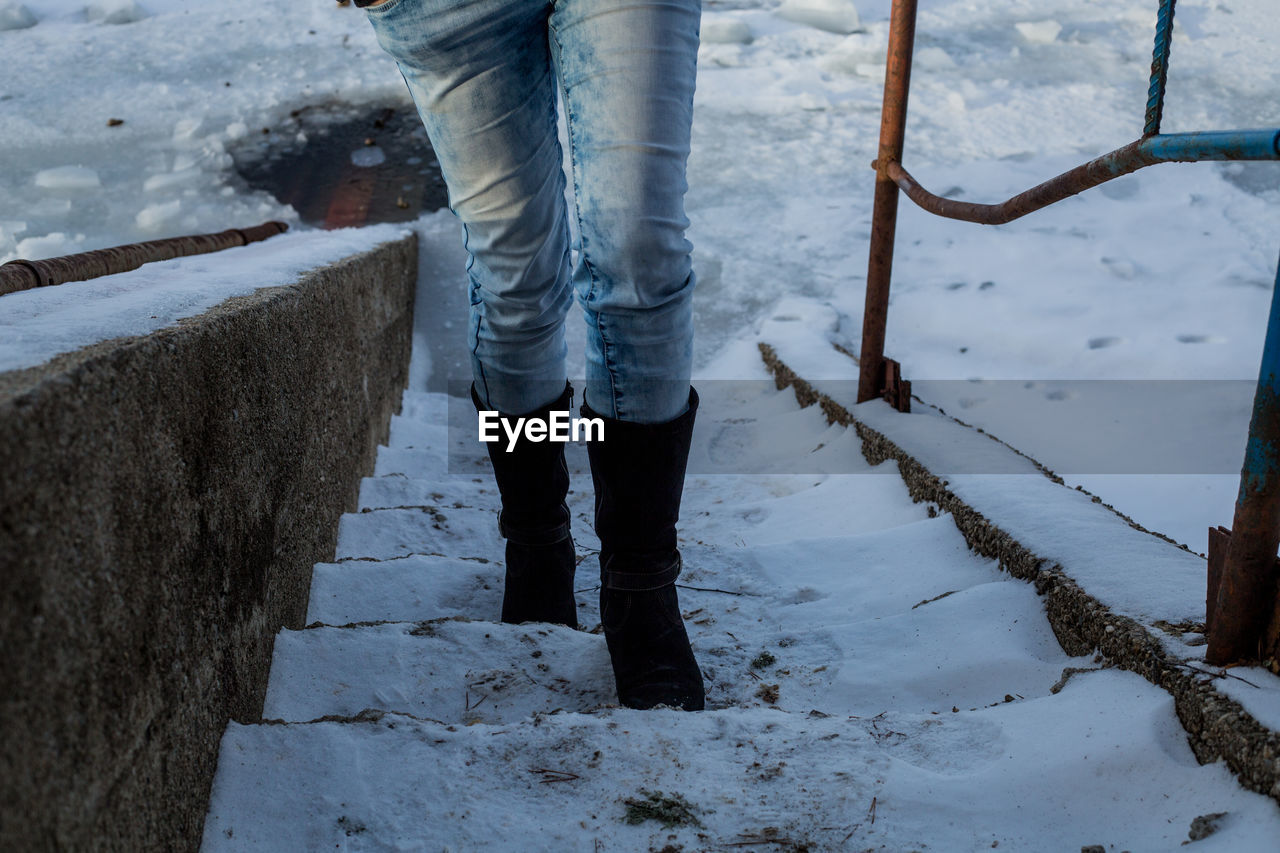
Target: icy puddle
column 871, row 684
column 342, row 165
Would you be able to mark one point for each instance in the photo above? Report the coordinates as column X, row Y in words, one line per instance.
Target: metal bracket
column 1219, row 540
column 896, row 391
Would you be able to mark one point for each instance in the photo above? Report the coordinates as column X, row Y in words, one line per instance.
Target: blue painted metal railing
column 1159, row 67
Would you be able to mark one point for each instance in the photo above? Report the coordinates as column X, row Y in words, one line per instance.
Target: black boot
column 638, row 472
column 533, row 481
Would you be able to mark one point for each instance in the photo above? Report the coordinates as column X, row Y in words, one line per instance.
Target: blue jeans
column 484, row 75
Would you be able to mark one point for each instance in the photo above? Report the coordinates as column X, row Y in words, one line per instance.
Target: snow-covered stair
column 872, row 684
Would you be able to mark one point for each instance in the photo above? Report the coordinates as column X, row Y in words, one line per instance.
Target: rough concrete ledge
column 1218, row 727
column 162, row 501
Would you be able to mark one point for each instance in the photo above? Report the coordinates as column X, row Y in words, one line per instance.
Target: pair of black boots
column 638, row 474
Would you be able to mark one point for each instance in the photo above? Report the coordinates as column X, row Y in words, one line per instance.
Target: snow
column 910, row 696
column 1039, row 32
column 38, row 324
column 114, row 11
column 1159, row 276
column 67, row 178
column 834, row 16
column 15, row 16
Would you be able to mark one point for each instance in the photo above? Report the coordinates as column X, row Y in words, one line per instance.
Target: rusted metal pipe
column 1159, row 68
column 1247, row 588
column 1168, row 148
column 884, row 219
column 24, row 275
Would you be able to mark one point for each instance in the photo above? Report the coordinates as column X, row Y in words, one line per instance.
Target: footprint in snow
column 1200, row 339
column 729, row 444
column 1104, row 342
column 804, row 595
column 1121, row 268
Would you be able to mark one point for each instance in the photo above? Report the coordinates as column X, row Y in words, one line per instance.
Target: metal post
column 893, row 122
column 1247, row 586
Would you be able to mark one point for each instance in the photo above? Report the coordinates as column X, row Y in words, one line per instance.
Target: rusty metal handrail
column 1242, row 610
column 24, row 275
column 1165, row 148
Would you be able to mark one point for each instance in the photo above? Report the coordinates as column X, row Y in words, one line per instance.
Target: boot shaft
column 533, row 480
column 638, row 474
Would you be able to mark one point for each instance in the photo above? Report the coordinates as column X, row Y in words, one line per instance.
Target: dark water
column 358, row 164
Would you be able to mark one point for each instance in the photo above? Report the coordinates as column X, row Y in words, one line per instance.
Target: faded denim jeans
column 484, row 75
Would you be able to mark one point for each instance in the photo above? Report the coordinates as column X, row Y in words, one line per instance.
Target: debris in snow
column 763, row 660
column 1204, row 826
column 670, row 811
column 1039, row 32
column 71, row 178
column 834, row 16
column 936, row 597
column 15, row 16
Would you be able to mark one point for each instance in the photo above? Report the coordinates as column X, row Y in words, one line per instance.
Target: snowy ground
column 870, row 686
column 1163, row 274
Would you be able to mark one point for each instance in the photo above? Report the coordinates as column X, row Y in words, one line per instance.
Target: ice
column 834, row 16
column 155, row 216
column 1039, row 32
column 71, row 178
column 858, row 50
column 115, row 11
column 49, row 206
column 933, row 59
column 172, row 180
column 48, row 246
column 368, row 157
column 15, row 16
column 10, row 228
column 725, row 31
column 187, row 128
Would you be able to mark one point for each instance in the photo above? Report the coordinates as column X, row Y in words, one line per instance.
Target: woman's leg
column 627, row 70
column 480, row 73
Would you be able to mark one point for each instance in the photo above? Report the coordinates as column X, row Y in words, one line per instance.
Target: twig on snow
column 712, row 589
column 1222, row 673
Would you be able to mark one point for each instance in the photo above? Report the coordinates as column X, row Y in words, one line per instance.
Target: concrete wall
column 162, row 501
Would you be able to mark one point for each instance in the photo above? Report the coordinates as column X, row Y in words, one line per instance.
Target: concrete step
column 414, row 589
column 396, row 490
column 732, row 779
column 385, row 534
column 444, row 669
